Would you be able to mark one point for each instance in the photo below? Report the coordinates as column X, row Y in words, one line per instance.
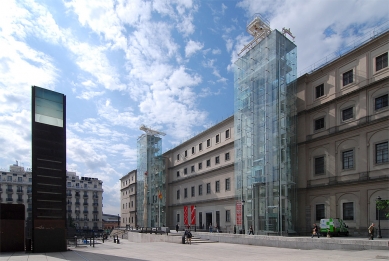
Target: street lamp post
column 379, row 219
column 118, row 220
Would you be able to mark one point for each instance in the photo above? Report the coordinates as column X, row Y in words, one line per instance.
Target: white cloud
column 308, row 21
column 192, row 47
column 216, row 51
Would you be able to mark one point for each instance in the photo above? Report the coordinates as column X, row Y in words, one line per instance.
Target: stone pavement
column 130, row 251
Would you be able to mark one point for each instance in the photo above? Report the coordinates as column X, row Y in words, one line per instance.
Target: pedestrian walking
column 251, row 231
column 210, row 227
column 315, row 231
column 177, row 227
column 371, row 231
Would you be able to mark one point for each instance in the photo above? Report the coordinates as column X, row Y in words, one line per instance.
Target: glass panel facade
column 48, row 107
column 265, row 134
column 151, row 182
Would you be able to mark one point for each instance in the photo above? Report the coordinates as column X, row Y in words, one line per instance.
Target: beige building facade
column 200, row 180
column 128, row 199
column 343, row 119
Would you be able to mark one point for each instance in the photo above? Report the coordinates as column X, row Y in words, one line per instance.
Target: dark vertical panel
column 48, row 172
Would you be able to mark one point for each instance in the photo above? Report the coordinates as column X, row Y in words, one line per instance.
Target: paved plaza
column 130, row 251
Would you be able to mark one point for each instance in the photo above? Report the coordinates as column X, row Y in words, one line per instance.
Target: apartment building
column 343, row 135
column 84, row 201
column 15, row 187
column 128, row 199
column 200, row 179
column 84, row 195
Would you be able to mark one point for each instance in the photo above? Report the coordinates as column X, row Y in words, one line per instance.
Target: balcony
column 19, row 191
column 77, row 203
column 69, row 202
column 95, row 196
column 10, row 190
column 29, row 209
column 95, row 212
column 95, row 204
column 69, row 211
column 9, row 199
column 85, row 212
column 85, row 203
column 95, row 219
column 19, row 200
column 29, row 200
column 29, row 191
column 95, row 228
column 85, row 196
column 69, row 195
column 77, row 211
column 77, row 195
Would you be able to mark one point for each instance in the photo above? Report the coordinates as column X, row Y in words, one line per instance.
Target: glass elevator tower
column 151, row 180
column 265, row 131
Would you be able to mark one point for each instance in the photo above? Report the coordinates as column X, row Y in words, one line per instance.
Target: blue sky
column 167, row 64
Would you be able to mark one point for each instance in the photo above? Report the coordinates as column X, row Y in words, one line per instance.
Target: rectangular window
column 381, row 102
column 178, row 194
column 381, row 152
column 192, row 191
column 193, row 150
column 9, row 178
column 217, row 160
column 217, row 186
column 347, row 114
column 200, row 190
column 200, row 147
column 208, row 142
column 178, row 173
column 186, row 153
column 228, row 184
column 178, row 218
column 200, row 165
column 208, row 163
column 192, row 169
column 348, row 159
column 227, row 134
column 381, row 61
column 20, row 179
column 208, row 188
column 185, row 192
column 319, row 165
column 227, row 156
column 178, row 156
column 228, row 215
column 217, row 138
column 348, row 77
column 319, row 124
column 186, row 171
column 348, row 211
column 319, row 90
column 320, row 211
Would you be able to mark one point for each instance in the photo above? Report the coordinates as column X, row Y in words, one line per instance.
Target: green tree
column 383, row 205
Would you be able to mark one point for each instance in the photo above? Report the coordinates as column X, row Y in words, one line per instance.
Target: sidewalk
column 129, row 251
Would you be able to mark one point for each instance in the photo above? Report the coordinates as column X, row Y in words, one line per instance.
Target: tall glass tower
column 265, row 131
column 151, row 181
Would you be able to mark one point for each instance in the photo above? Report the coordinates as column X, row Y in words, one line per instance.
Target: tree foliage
column 383, row 205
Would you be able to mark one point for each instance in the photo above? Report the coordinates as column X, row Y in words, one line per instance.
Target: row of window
column 348, row 212
column 125, row 220
column 207, row 164
column 128, row 206
column 348, row 113
column 348, row 158
column 227, row 135
column 227, row 187
column 348, row 77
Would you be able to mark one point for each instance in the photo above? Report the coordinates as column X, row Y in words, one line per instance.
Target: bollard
column 75, row 239
column 114, row 239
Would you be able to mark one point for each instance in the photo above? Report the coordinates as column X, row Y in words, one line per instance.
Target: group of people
column 315, row 231
column 187, row 234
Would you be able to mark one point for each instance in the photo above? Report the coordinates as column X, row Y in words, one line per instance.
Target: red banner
column 185, row 215
column 238, row 213
column 192, row 215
